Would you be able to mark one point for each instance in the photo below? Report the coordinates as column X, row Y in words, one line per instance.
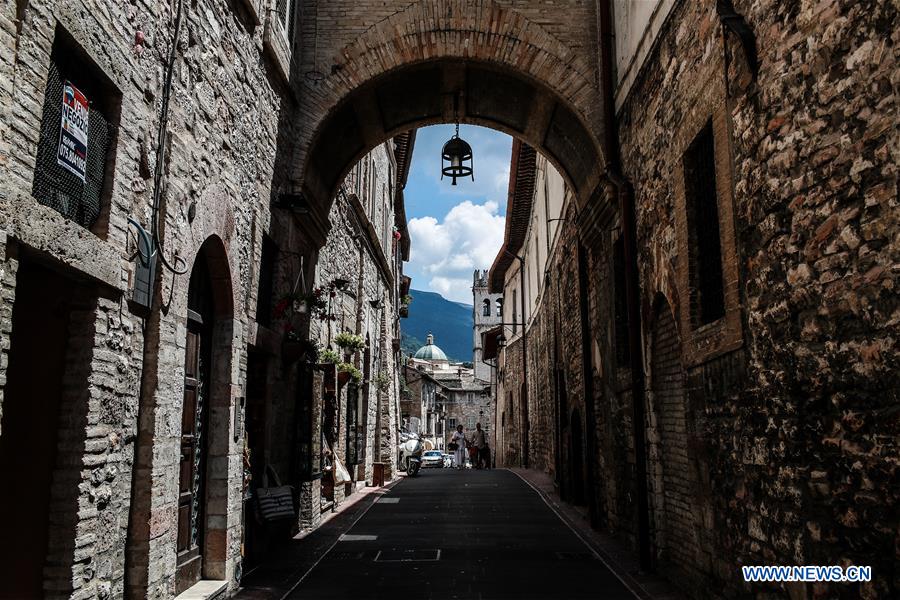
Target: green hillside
column 449, row 322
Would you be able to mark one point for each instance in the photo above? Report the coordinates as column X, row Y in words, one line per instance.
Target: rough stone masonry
column 772, row 430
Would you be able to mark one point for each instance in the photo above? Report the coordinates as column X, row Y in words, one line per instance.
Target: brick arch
column 220, row 450
column 672, row 474
column 508, row 72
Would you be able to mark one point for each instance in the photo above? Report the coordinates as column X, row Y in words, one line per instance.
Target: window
column 72, row 167
column 500, row 307
column 514, row 316
column 486, row 308
column 707, row 297
column 470, row 422
column 623, row 350
column 285, row 9
column 451, row 423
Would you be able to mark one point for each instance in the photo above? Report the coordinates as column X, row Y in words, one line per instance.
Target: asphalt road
column 460, row 534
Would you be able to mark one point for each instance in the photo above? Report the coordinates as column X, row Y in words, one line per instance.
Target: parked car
column 433, row 458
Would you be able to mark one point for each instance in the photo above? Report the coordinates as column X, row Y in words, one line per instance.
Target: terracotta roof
column 403, row 151
column 518, row 211
column 404, row 143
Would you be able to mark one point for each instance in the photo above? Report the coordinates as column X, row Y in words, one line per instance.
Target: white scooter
column 411, row 449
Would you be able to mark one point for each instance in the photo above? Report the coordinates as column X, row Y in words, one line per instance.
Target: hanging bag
column 274, row 503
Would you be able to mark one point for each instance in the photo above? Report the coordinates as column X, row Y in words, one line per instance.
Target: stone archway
column 435, row 61
column 675, row 502
column 202, row 532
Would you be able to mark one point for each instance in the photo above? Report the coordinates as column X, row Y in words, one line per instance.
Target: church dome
column 431, row 352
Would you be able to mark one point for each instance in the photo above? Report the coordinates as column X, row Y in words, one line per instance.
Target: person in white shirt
column 459, row 455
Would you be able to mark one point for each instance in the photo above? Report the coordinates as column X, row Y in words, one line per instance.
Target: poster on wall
column 73, row 134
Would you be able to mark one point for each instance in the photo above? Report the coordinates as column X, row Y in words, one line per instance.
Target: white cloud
column 446, row 253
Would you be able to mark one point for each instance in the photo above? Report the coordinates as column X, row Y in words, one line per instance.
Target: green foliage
column 350, row 342
column 355, row 373
column 407, row 300
column 328, row 355
column 382, row 381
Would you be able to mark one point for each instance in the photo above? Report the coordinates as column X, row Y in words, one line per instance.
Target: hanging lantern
column 456, row 158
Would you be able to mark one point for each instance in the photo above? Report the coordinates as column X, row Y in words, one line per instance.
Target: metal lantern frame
column 464, row 163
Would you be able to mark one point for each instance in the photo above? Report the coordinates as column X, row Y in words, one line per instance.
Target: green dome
column 431, row 352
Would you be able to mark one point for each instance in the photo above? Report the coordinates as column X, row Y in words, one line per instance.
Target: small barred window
column 75, row 138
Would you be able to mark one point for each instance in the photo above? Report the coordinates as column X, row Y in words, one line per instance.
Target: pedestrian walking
column 458, row 446
column 479, row 443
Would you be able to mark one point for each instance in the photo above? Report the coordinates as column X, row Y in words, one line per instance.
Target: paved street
column 451, row 534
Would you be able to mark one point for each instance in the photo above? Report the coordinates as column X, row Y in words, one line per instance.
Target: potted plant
column 349, row 342
column 294, row 347
column 405, row 301
column 327, row 355
column 313, row 304
column 346, row 372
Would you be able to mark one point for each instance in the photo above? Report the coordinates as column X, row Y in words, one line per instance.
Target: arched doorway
column 206, row 400
column 674, row 505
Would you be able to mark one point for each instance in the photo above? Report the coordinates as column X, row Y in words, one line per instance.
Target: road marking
column 384, row 500
column 324, row 554
column 394, row 555
column 352, row 537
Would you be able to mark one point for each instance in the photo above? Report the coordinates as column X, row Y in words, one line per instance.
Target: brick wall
column 784, row 398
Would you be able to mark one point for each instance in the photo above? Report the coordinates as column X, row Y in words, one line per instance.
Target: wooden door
column 193, row 458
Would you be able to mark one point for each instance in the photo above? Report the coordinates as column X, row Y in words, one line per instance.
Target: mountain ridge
column 450, row 322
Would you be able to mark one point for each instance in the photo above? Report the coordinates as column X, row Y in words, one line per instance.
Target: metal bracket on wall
column 145, row 270
column 738, row 25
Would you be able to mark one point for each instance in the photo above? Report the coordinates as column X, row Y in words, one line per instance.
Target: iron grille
column 285, row 9
column 53, row 185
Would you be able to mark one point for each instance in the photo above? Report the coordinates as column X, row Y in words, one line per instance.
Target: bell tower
column 488, row 314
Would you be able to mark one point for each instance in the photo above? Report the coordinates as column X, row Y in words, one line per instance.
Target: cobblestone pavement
column 460, row 534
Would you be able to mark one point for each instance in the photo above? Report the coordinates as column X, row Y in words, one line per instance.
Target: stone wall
column 224, row 117
column 787, row 446
column 769, row 432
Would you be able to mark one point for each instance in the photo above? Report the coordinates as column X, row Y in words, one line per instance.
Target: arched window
column 486, row 308
column 499, row 307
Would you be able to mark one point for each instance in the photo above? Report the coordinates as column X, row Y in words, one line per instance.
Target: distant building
column 487, row 314
column 440, row 395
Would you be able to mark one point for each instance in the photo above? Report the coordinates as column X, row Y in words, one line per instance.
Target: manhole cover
column 406, row 555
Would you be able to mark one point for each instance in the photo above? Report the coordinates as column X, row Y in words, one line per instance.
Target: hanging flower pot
column 301, row 307
column 349, row 342
column 346, row 372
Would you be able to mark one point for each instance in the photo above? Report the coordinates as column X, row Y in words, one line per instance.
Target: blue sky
column 455, row 230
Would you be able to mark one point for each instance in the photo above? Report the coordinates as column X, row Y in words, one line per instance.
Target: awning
column 489, row 343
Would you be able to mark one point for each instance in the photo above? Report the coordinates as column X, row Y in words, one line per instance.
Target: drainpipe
column 632, row 285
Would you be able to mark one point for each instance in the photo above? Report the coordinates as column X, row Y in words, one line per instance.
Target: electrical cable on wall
column 155, row 245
